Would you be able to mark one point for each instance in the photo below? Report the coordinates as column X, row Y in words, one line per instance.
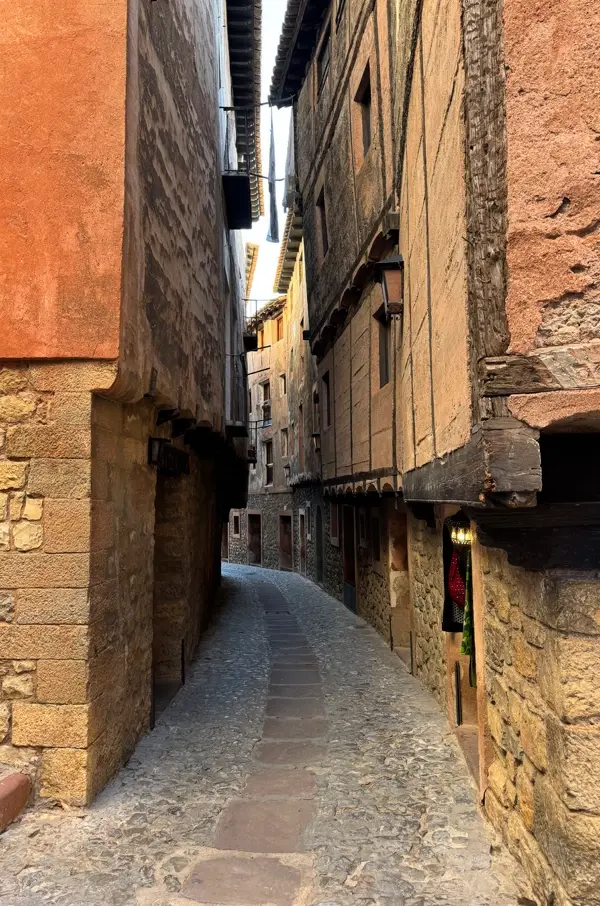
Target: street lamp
column 391, row 277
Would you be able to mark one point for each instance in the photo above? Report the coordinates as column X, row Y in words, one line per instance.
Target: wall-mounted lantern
column 391, row 276
column 461, row 535
column 316, row 439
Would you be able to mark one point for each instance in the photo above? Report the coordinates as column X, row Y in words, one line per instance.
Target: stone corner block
column 65, row 776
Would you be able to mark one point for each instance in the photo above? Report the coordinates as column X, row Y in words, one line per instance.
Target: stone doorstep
column 14, row 796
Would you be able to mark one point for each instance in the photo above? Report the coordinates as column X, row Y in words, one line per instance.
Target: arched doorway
column 319, row 542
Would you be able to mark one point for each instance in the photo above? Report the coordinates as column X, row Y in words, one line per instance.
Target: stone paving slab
column 290, row 782
column 291, row 675
column 277, row 728
column 304, row 690
column 264, row 825
column 236, row 880
column 295, row 707
column 292, row 753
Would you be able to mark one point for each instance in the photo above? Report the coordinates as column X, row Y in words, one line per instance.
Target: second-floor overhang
column 290, row 246
column 301, row 27
column 244, row 19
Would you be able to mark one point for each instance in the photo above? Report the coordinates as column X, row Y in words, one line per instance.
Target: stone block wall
column 427, row 586
column 542, row 640
column 77, row 523
column 270, row 505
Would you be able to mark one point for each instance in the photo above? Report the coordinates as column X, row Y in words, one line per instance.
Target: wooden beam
column 502, row 458
column 503, row 375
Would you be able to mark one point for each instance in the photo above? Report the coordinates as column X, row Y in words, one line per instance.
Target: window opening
column 284, row 443
column 269, row 462
column 322, row 222
column 323, row 59
column 363, row 99
column 327, row 399
column 266, row 403
column 283, row 380
column 279, row 328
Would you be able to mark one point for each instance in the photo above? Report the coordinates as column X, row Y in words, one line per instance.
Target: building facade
column 287, row 522
column 122, row 380
column 458, row 406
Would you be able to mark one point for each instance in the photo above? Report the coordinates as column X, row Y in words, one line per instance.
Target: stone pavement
column 300, row 766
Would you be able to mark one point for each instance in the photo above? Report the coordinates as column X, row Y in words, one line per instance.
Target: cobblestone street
column 300, row 765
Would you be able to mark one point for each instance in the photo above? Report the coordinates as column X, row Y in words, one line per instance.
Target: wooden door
column 285, row 542
column 254, row 539
column 349, row 551
column 302, row 543
column 319, row 543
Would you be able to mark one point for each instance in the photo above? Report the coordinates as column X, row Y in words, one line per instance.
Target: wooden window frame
column 268, row 465
column 326, row 412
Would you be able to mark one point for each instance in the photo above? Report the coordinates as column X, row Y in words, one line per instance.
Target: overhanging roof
column 301, row 26
column 251, row 261
column 290, row 246
column 244, row 34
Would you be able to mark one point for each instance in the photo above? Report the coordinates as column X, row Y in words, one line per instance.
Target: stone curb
column 14, row 795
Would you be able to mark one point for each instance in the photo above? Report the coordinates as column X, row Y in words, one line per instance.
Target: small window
column 363, row 99
column 322, row 223
column 236, row 525
column 316, row 413
column 334, row 524
column 249, row 402
column 308, row 518
column 284, row 443
column 327, row 399
column 269, row 462
column 323, row 59
column 385, row 352
column 279, row 328
column 261, row 337
column 266, row 404
column 283, row 384
column 375, row 538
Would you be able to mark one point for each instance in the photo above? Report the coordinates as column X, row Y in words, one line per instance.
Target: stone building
column 122, row 382
column 340, row 79
column 286, row 524
column 458, row 440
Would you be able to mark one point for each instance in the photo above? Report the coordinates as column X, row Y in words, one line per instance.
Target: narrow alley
column 309, row 768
